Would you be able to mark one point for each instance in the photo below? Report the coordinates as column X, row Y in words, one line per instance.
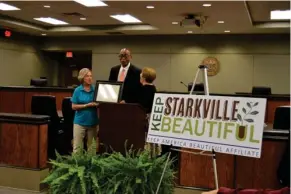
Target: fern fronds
column 84, row 172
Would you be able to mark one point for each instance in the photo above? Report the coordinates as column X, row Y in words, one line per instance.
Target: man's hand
column 122, row 102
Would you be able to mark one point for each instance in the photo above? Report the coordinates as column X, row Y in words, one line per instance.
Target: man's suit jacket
column 131, row 85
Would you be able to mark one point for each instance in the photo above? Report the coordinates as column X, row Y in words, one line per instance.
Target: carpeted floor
column 14, row 191
column 187, row 191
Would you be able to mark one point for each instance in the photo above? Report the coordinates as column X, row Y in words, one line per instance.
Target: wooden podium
column 120, row 123
column 23, row 151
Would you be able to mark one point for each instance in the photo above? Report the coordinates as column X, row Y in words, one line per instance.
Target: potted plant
column 85, row 172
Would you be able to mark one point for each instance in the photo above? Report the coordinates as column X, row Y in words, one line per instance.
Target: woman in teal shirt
column 86, row 119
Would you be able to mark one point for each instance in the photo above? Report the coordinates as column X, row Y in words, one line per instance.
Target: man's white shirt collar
column 125, row 68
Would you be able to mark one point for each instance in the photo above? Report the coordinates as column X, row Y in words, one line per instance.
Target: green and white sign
column 231, row 125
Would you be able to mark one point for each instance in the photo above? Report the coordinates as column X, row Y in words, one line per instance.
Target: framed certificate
column 106, row 91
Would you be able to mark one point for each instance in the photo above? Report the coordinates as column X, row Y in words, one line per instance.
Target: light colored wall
column 245, row 61
column 20, row 61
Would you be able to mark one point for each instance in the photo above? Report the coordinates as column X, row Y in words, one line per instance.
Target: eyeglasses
column 123, row 55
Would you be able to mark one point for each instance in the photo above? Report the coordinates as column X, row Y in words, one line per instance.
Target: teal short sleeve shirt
column 87, row 116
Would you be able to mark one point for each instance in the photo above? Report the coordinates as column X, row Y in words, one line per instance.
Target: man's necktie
column 122, row 76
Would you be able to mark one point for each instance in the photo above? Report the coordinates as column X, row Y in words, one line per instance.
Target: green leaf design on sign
column 256, row 104
column 239, row 117
column 249, row 104
column 244, row 110
column 249, row 120
column 254, row 113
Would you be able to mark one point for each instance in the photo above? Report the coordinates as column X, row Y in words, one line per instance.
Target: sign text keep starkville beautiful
column 232, row 125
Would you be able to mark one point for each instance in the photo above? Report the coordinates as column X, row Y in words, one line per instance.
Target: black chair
column 258, row 90
column 39, row 82
column 198, row 88
column 283, row 172
column 68, row 116
column 46, row 105
column 282, row 118
column 282, row 122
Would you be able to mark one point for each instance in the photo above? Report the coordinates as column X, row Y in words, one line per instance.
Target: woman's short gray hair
column 82, row 73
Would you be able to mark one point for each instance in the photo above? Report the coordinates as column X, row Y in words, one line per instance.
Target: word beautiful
column 206, row 122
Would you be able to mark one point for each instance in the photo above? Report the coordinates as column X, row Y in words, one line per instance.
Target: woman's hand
column 92, row 104
column 83, row 106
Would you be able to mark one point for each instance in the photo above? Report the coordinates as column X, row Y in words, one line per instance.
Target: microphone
column 184, row 84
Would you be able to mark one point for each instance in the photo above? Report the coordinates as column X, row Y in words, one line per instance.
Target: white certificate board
column 110, row 92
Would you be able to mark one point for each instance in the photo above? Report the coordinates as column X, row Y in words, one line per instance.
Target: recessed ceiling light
column 91, row 3
column 43, row 34
column 126, row 18
column 190, row 32
column 150, row 7
column 6, row 7
column 47, row 6
column 50, row 20
column 206, row 5
column 220, row 22
column 175, row 23
column 83, row 18
column 226, row 30
column 280, row 15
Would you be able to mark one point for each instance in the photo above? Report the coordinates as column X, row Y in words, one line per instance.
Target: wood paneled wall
column 197, row 171
column 19, row 101
column 261, row 173
column 234, row 171
column 23, row 145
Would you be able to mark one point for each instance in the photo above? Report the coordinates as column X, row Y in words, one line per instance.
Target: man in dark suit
column 129, row 74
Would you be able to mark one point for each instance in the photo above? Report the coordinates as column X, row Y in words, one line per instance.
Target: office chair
column 68, row 116
column 38, row 82
column 46, row 105
column 258, row 90
column 283, row 172
column 198, row 88
column 282, row 118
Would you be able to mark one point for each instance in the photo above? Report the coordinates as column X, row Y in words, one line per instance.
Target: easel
column 202, row 68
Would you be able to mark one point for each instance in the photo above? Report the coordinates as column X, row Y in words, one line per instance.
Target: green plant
column 133, row 173
column 75, row 174
column 138, row 173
